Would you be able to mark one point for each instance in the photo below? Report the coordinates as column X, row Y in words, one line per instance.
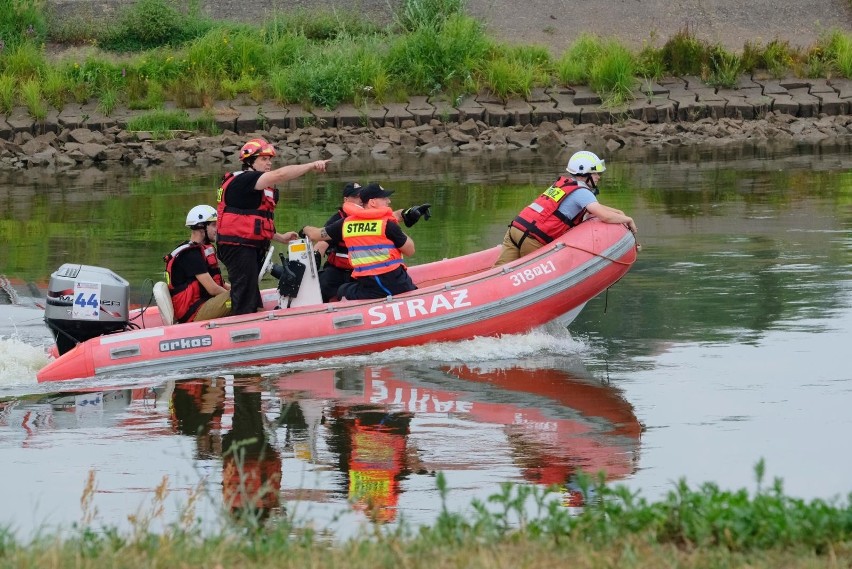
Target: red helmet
column 256, row 147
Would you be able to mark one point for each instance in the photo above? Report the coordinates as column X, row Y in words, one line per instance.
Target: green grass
column 519, row 526
column 162, row 123
column 31, row 96
column 158, row 50
column 8, row 86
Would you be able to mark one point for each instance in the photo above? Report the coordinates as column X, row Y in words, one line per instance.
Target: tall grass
column 148, row 24
column 516, row 70
column 21, row 22
column 432, row 60
column 519, row 526
column 419, row 14
column 613, row 74
column 229, row 52
column 55, row 87
column 325, row 59
column 8, row 85
column 684, row 54
column 724, row 70
column 574, row 67
column 31, row 97
column 839, row 47
column 162, row 123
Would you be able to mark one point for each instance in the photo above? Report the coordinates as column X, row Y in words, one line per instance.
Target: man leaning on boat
column 563, row 205
column 376, row 245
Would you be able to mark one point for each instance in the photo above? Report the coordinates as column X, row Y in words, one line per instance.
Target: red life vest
column 251, row 480
column 542, row 219
column 338, row 254
column 370, row 251
column 249, row 227
column 188, row 297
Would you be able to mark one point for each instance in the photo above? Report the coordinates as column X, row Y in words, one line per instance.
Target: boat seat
column 164, row 303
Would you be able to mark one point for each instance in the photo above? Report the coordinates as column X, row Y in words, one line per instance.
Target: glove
column 412, row 214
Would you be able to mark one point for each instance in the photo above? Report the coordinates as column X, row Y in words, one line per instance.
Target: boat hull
column 457, row 299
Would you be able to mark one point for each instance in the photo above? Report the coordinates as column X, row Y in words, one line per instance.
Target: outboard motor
column 85, row 302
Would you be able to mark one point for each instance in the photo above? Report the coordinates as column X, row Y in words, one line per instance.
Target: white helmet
column 201, row 214
column 585, row 162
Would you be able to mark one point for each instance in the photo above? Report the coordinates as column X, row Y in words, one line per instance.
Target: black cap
column 351, row 189
column 374, row 190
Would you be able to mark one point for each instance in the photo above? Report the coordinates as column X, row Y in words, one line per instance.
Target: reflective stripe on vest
column 370, row 251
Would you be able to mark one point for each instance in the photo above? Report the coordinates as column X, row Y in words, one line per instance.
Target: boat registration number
column 530, row 274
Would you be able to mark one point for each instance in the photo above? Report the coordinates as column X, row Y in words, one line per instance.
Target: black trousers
column 243, row 265
column 378, row 286
column 330, row 279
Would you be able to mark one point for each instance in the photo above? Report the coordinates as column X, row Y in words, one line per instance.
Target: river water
column 725, row 344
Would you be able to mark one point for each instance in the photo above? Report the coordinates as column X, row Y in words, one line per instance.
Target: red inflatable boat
column 457, row 299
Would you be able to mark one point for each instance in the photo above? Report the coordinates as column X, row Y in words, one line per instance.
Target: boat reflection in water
column 555, row 424
column 251, row 466
column 373, row 437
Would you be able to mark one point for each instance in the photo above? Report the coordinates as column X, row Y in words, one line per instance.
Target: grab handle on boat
column 124, row 352
column 245, row 335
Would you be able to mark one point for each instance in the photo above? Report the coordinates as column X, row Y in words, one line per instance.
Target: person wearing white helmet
column 566, row 203
column 246, row 207
column 192, row 271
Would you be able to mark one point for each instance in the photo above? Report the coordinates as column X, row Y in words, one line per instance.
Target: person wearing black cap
column 376, row 245
column 337, row 269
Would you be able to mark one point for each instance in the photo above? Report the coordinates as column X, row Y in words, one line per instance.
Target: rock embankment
column 674, row 112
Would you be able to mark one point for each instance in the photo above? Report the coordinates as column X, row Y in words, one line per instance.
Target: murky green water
column 726, row 343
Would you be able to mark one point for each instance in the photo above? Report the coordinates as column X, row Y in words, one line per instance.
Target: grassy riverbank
column 160, row 50
column 520, row 527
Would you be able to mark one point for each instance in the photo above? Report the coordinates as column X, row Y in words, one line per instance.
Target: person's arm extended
column 291, row 172
column 610, row 215
column 331, row 232
column 407, row 248
column 285, row 237
column 210, row 285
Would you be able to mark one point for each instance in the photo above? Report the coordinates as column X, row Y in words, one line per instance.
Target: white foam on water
column 20, row 361
column 482, row 353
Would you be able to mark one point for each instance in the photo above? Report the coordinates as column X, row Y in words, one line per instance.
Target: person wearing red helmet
column 246, row 210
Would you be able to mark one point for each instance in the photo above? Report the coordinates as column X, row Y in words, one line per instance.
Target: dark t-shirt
column 189, row 264
column 242, row 193
column 393, row 232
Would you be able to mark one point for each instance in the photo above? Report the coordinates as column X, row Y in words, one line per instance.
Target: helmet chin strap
column 205, row 240
column 590, row 182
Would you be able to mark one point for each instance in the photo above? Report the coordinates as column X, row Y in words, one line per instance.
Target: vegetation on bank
column 165, row 50
column 520, row 526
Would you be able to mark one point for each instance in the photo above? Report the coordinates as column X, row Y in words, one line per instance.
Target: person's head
column 586, row 166
column 352, row 193
column 202, row 220
column 257, row 154
column 373, row 195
